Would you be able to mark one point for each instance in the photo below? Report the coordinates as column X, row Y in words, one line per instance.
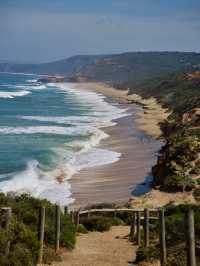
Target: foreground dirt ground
column 101, row 249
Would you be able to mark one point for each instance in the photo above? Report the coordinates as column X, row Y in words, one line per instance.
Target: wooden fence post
column 190, row 241
column 133, row 224
column 72, row 216
column 163, row 249
column 77, row 218
column 146, row 228
column 66, row 210
column 7, row 227
column 138, row 228
column 57, row 225
column 41, row 233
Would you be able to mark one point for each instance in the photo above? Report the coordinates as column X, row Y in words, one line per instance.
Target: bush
column 100, row 223
column 196, row 194
column 23, row 232
column 178, row 182
column 125, row 217
column 147, row 254
column 116, row 221
column 97, row 223
column 81, row 229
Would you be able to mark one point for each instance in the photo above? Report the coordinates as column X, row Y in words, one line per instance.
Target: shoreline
column 148, row 120
column 151, row 114
column 116, row 182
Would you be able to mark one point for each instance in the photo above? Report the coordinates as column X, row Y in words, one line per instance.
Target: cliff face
column 178, row 166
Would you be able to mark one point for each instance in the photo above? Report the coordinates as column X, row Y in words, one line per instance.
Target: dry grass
column 156, row 199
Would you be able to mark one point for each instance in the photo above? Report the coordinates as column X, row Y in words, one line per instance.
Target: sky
column 48, row 30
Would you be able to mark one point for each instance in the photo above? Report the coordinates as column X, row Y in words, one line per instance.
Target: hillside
column 134, row 66
column 65, row 67
column 139, row 66
column 178, row 165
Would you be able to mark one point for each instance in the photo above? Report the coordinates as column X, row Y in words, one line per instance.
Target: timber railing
column 139, row 217
column 142, row 217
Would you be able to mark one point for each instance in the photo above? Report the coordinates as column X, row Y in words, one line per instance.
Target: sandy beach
column 118, row 181
column 150, row 115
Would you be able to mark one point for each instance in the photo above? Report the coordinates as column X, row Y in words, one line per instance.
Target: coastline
column 116, row 182
column 147, row 120
column 151, row 112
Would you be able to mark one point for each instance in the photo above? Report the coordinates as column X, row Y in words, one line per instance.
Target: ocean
column 48, row 133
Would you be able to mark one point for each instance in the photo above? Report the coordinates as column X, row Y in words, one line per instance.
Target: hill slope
column 113, row 68
column 139, row 66
column 65, row 67
column 178, row 166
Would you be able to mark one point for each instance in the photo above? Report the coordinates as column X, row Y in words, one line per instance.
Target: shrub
column 125, row 217
column 23, row 232
column 97, row 223
column 116, row 221
column 81, row 229
column 179, row 182
column 196, row 194
column 147, row 254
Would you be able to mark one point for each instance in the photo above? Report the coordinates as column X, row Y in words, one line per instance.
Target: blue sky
column 45, row 30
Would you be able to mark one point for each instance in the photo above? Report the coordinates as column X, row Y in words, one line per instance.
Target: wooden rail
column 135, row 228
column 114, row 210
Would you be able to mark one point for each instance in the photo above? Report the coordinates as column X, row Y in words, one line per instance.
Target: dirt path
column 101, row 249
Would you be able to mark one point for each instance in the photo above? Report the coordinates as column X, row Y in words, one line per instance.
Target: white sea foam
column 21, row 73
column 95, row 157
column 37, row 87
column 39, row 184
column 31, row 87
column 42, row 184
column 83, row 153
column 96, row 102
column 73, row 120
column 31, row 80
column 51, row 84
column 76, row 131
column 13, row 94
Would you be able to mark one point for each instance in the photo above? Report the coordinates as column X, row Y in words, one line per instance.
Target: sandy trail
column 110, row 248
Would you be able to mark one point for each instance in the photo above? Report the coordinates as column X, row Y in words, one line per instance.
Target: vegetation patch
column 23, row 232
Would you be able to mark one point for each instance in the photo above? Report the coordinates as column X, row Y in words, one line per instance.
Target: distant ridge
column 116, row 68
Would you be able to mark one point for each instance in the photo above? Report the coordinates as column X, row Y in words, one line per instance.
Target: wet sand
column 116, row 182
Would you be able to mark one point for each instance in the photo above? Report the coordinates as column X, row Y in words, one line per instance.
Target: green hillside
column 178, row 165
column 117, row 68
column 139, row 66
column 65, row 67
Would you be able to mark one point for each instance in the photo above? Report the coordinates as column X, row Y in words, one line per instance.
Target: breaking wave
column 13, row 94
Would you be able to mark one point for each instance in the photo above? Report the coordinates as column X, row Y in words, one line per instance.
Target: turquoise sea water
column 49, row 132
